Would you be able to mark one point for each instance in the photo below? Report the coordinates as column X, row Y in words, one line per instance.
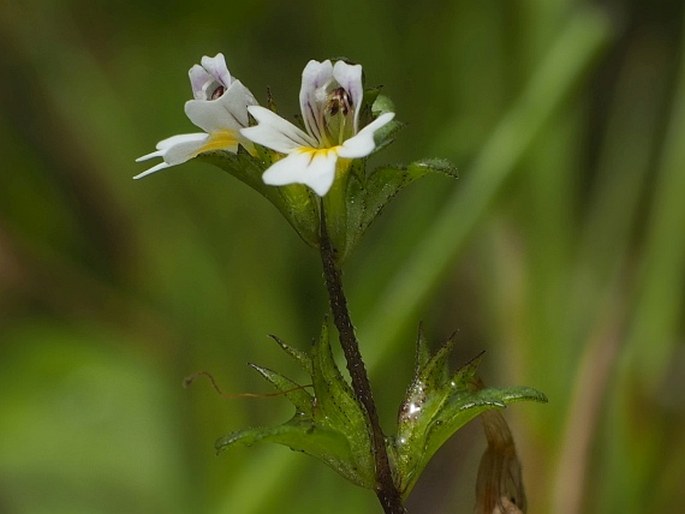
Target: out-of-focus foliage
column 560, row 250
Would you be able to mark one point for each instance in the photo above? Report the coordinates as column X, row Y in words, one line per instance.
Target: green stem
column 388, row 495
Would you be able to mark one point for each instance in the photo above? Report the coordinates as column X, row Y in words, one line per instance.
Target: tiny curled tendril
column 188, row 381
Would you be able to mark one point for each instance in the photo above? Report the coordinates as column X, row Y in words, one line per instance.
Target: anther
column 217, row 93
column 339, row 100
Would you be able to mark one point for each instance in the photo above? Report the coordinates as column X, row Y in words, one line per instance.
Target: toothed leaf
column 298, row 356
column 367, row 195
column 336, row 404
column 328, row 424
column 302, row 435
column 437, row 404
column 298, row 396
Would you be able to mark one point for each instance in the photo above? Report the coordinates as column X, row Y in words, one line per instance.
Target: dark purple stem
column 388, row 495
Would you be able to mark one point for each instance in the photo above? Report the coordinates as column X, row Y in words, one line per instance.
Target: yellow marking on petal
column 220, row 140
column 318, row 152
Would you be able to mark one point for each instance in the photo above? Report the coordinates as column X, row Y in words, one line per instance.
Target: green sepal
column 436, row 405
column 296, row 202
column 328, row 423
column 386, row 134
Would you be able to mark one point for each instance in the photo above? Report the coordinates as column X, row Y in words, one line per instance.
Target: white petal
column 183, row 147
column 167, row 143
column 216, row 67
column 224, row 140
column 363, row 144
column 176, row 150
column 349, row 76
column 276, row 133
column 199, row 78
column 237, row 99
column 315, row 169
column 315, row 78
column 227, row 112
column 207, row 76
column 184, row 151
column 156, row 153
column 154, row 169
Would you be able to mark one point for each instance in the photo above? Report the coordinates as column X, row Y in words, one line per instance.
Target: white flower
column 219, row 108
column 330, row 99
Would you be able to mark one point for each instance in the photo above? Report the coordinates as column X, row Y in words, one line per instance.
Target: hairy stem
column 387, row 493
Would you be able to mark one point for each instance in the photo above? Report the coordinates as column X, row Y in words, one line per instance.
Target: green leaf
column 437, row 404
column 298, row 356
column 335, row 399
column 300, row 434
column 328, row 424
column 297, row 394
column 462, row 407
column 436, row 165
column 422, row 351
column 336, row 403
column 368, row 195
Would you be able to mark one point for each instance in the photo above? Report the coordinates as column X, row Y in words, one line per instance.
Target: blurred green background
column 560, row 251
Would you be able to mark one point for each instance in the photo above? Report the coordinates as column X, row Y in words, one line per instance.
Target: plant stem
column 388, row 495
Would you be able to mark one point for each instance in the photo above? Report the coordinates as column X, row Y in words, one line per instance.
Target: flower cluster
column 330, row 100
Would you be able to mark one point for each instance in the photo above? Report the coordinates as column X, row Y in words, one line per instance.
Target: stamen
column 336, row 110
column 217, row 92
column 339, row 100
